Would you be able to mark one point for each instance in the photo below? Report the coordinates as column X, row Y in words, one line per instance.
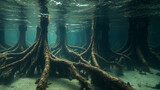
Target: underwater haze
column 79, row 45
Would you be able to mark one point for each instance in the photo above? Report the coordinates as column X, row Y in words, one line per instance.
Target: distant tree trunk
column 22, row 37
column 99, row 49
column 137, row 46
column 62, row 33
column 88, row 35
column 38, row 33
column 2, row 41
column 21, row 44
column 100, row 36
column 61, row 37
column 3, row 44
column 101, row 39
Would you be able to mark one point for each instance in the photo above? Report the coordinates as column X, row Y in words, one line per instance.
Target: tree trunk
column 88, row 34
column 22, row 37
column 3, row 44
column 2, row 37
column 137, row 46
column 100, row 37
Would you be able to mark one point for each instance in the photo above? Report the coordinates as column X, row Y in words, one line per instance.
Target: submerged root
column 142, row 60
column 44, row 78
column 108, row 81
column 60, row 50
column 77, row 48
column 119, row 71
column 101, row 62
column 39, row 56
column 2, row 48
column 13, row 62
column 19, row 47
column 83, row 82
column 136, row 54
column 104, row 79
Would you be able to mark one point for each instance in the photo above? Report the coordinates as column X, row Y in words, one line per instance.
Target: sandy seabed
column 137, row 81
